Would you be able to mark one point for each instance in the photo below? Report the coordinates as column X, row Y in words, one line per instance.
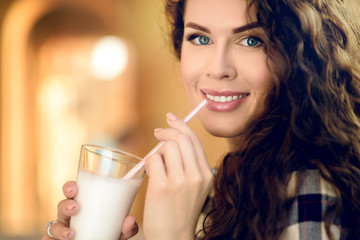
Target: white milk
column 104, row 203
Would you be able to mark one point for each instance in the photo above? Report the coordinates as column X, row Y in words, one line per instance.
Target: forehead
column 230, row 13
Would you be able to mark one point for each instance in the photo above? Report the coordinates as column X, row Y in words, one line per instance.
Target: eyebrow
column 197, row 26
column 246, row 27
column 235, row 30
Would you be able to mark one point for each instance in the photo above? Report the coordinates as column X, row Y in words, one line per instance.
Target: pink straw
column 141, row 164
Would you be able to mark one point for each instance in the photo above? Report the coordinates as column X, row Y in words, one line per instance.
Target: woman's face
column 223, row 61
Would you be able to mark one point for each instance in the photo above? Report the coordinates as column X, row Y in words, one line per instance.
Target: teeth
column 223, row 99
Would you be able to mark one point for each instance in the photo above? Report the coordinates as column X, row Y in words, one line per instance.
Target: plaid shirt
column 306, row 221
column 315, row 196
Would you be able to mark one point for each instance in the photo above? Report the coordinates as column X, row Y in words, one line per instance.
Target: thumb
column 129, row 229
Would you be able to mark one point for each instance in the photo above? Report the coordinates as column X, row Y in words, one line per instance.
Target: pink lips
column 213, row 96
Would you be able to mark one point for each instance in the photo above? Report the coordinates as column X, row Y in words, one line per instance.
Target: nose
column 221, row 65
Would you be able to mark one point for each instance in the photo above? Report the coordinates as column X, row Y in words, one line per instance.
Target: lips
column 224, row 101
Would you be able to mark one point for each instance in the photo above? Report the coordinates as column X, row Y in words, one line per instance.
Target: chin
column 223, row 126
column 223, row 132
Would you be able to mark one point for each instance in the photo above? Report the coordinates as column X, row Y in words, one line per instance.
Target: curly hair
column 312, row 119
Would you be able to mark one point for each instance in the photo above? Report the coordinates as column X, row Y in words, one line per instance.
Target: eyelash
column 259, row 40
column 191, row 38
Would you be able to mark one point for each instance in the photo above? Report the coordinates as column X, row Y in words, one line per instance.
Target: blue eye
column 251, row 42
column 199, row 40
column 204, row 40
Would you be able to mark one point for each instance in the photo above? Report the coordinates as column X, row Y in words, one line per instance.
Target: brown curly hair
column 312, row 119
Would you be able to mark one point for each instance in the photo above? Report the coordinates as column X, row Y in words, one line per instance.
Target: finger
column 176, row 123
column 195, row 161
column 66, row 209
column 129, row 229
column 178, row 152
column 200, row 160
column 70, row 189
column 155, row 168
column 172, row 158
column 60, row 231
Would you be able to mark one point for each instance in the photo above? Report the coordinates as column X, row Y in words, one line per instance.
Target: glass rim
column 88, row 147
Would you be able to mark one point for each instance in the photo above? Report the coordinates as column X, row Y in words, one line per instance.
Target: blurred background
column 75, row 72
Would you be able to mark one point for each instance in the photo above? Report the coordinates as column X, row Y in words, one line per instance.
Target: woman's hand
column 179, row 182
column 69, row 207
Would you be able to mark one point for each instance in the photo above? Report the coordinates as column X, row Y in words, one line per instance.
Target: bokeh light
column 109, row 57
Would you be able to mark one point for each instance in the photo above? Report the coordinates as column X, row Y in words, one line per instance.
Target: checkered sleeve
column 306, row 219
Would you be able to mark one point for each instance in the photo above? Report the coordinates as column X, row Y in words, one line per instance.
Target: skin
column 179, row 181
column 227, row 65
column 68, row 207
column 230, row 61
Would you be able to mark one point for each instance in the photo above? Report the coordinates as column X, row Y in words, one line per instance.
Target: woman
column 282, row 79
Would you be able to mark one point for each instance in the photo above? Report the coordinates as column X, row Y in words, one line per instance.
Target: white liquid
column 104, row 203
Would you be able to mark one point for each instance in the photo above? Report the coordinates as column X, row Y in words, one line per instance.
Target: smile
column 223, row 99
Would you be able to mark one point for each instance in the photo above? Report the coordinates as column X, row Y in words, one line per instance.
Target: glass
column 105, row 198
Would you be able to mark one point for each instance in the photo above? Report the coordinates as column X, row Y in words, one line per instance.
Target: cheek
column 261, row 91
column 258, row 76
column 188, row 76
column 193, row 60
column 261, row 88
column 190, row 68
column 260, row 80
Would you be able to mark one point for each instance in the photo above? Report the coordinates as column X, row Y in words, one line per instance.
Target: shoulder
column 310, row 201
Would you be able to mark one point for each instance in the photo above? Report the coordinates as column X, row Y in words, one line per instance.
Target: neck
column 235, row 143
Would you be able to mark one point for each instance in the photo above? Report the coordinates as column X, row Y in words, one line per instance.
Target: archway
column 27, row 185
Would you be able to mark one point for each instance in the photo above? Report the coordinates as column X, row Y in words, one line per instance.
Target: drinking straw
column 141, row 164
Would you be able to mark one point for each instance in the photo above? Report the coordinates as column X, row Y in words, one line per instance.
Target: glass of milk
column 104, row 197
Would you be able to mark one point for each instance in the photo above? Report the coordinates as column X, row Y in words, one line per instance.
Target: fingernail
column 135, row 228
column 171, row 117
column 66, row 234
column 71, row 207
column 157, row 130
column 68, row 190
